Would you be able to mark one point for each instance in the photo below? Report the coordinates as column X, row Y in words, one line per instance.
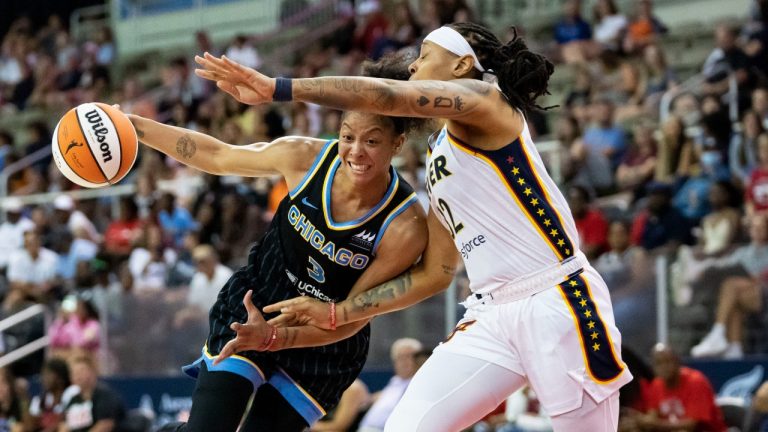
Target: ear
column 463, row 66
column 399, row 142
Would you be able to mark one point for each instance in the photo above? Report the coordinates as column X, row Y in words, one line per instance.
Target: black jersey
column 306, row 252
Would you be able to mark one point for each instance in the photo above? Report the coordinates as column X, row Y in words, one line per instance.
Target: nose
column 412, row 67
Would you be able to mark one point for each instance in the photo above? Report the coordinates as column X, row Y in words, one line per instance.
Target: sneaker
column 712, row 345
column 734, row 352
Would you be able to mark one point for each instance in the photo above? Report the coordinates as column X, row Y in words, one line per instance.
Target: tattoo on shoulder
column 186, row 146
column 139, row 133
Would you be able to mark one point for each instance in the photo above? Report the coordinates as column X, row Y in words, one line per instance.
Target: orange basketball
column 94, row 145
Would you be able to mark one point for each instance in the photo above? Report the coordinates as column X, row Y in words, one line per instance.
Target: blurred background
column 657, row 136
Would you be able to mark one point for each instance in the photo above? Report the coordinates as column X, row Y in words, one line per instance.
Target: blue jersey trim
column 313, row 169
column 395, row 213
column 297, row 397
column 328, row 183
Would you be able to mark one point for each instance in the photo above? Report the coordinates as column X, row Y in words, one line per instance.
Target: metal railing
column 31, row 347
column 692, row 86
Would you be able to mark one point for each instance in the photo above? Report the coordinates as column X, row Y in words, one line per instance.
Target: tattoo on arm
column 446, row 102
column 449, row 270
column 139, row 133
column 186, row 146
column 386, row 291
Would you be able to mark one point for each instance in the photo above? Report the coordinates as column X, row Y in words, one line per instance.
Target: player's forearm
column 309, row 336
column 410, row 288
column 189, row 147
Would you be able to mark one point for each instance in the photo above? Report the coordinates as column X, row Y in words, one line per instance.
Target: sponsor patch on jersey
column 364, row 240
column 305, row 288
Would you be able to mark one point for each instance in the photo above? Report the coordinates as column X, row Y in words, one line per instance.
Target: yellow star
column 547, row 222
column 583, row 302
column 596, row 346
column 577, row 293
column 573, row 283
column 535, row 201
column 594, row 335
column 515, row 170
column 588, row 314
column 560, row 242
column 520, row 181
column 540, row 212
column 591, row 324
column 527, row 191
column 553, row 232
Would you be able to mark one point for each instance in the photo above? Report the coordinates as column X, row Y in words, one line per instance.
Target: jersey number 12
column 445, row 212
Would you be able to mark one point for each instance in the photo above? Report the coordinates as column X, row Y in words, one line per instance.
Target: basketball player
column 337, row 233
column 539, row 313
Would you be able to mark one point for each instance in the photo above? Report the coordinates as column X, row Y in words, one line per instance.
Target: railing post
column 662, row 300
column 450, row 307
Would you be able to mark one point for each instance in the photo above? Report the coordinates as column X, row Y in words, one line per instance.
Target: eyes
column 349, row 138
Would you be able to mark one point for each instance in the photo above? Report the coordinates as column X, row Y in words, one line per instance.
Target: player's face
column 367, row 144
column 434, row 63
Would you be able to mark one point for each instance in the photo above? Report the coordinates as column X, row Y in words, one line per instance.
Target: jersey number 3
column 315, row 271
column 445, row 212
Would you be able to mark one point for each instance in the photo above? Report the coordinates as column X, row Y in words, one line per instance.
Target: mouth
column 358, row 168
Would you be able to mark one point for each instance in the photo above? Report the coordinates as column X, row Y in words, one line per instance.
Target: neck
column 368, row 194
column 672, row 381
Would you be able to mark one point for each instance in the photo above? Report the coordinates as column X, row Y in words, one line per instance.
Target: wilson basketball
column 94, row 145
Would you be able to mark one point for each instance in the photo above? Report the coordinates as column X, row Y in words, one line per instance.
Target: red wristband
column 271, row 339
column 333, row 316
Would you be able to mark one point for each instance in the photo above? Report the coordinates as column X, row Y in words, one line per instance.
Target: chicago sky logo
column 363, row 239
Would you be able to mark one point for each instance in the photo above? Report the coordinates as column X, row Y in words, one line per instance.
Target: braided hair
column 523, row 75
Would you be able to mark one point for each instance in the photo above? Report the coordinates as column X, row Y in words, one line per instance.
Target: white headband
column 454, row 42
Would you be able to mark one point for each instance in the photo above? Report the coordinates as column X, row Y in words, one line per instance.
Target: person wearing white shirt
column 208, row 279
column 244, row 53
column 76, row 220
column 403, row 353
column 32, row 270
column 12, row 230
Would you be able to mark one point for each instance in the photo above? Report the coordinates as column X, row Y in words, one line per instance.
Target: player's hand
column 303, row 310
column 249, row 336
column 243, row 83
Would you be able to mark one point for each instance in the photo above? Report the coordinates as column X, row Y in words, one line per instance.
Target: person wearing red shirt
column 120, row 234
column 757, row 186
column 679, row 398
column 590, row 223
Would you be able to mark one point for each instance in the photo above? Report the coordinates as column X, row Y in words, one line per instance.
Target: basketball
column 94, row 145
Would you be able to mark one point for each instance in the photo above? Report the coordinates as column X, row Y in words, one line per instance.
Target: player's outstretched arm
column 289, row 156
column 467, row 100
column 432, row 275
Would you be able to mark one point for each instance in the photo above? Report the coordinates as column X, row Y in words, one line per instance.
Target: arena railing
column 31, row 347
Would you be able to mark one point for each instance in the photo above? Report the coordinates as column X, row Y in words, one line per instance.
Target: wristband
column 272, row 338
column 333, row 316
column 283, row 90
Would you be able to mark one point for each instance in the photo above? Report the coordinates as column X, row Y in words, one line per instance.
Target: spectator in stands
column 633, row 397
column 72, row 250
column 604, row 136
column 660, row 224
column 720, row 228
column 402, row 32
column 6, row 147
column 243, row 52
column 105, row 43
column 372, row 25
column 742, row 151
column 76, row 330
column 675, row 153
column 208, row 280
column 582, row 165
column 12, row 230
column 174, row 219
column 590, row 222
column 610, row 25
column 96, row 407
column 32, row 270
column 623, row 262
column 46, row 410
column 573, row 33
column 639, row 164
column 347, row 415
column 67, row 214
column 760, row 104
column 644, row 29
column 757, row 185
column 691, row 199
column 38, row 138
column 384, row 401
column 741, row 293
column 123, row 232
column 726, row 60
column 679, row 398
column 658, row 76
column 12, row 408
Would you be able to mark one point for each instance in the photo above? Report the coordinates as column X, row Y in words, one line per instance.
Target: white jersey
column 506, row 215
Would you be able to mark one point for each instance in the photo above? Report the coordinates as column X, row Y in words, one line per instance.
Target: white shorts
column 562, row 339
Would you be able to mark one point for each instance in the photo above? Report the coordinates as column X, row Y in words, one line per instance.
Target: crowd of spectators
column 691, row 184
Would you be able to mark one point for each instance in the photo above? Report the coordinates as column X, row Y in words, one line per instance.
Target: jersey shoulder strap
column 322, row 160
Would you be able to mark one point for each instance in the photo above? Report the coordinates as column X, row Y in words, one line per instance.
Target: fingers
column 282, row 320
column 209, row 74
column 229, row 349
column 229, row 88
column 249, row 307
column 284, row 306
